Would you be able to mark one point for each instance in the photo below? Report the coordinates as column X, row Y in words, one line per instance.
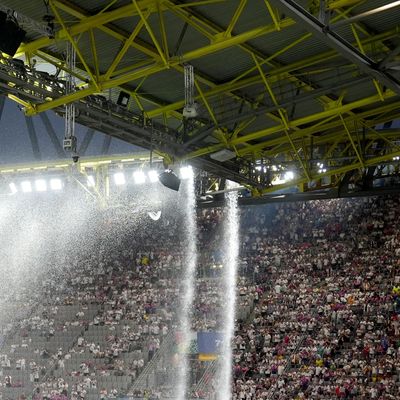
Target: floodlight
column 26, row 186
column 40, row 185
column 90, row 181
column 139, row 177
column 186, row 172
column 119, row 178
column 13, row 188
column 289, row 175
column 55, row 184
column 169, row 180
column 153, row 176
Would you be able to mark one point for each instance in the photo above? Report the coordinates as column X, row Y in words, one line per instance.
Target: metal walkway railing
column 146, row 379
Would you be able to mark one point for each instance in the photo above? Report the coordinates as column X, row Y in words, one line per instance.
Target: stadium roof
column 310, row 87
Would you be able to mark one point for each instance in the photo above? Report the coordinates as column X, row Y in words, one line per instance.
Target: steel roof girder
column 273, row 74
column 331, row 139
column 84, row 25
column 297, row 123
column 265, row 109
column 343, row 108
column 335, row 41
column 324, row 139
column 152, row 69
column 332, row 172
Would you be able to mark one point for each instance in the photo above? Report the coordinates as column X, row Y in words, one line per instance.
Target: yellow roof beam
column 339, row 109
column 85, row 24
column 90, row 22
column 332, row 172
column 273, row 74
column 146, row 71
column 297, row 123
column 307, row 132
column 335, row 4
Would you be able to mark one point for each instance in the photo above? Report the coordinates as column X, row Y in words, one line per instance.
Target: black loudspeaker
column 11, row 35
column 169, row 180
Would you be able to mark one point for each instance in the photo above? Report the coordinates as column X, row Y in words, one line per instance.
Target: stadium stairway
column 148, row 377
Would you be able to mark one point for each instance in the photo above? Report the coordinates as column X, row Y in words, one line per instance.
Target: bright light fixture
column 13, row 188
column 139, row 177
column 119, row 178
column 153, row 176
column 55, row 184
column 90, row 181
column 26, row 186
column 40, row 185
column 289, row 175
column 186, row 172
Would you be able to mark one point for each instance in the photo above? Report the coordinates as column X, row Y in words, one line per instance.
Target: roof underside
column 272, row 83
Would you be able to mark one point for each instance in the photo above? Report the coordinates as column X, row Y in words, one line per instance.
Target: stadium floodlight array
column 55, row 184
column 321, row 168
column 38, row 185
column 26, row 186
column 13, row 188
column 119, row 178
column 90, row 181
column 139, row 177
column 41, row 185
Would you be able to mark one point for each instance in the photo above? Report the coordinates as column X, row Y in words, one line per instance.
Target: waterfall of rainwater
column 231, row 251
column 189, row 276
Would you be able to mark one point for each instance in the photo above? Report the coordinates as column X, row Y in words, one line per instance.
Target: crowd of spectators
column 328, row 327
column 317, row 306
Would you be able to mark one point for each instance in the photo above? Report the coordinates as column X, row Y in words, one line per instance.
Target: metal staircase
column 147, row 378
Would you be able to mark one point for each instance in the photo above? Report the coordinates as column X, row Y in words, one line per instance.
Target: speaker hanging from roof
column 11, row 35
column 169, row 180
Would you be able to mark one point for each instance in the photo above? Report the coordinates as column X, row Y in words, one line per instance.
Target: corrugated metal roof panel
column 167, row 85
column 254, row 14
column 175, row 27
column 235, row 62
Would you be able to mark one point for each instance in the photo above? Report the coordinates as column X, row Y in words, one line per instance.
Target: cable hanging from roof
column 70, row 140
column 190, row 109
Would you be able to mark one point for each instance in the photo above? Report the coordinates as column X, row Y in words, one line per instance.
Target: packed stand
column 328, row 327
